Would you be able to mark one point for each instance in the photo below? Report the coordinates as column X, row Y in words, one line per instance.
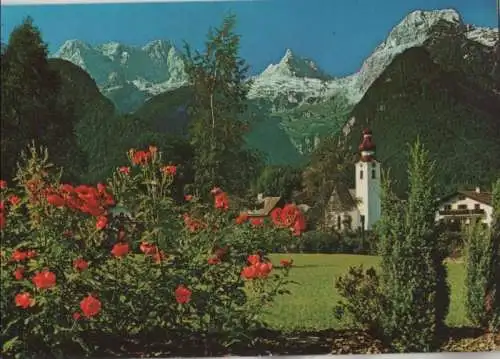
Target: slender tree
column 413, row 272
column 219, row 78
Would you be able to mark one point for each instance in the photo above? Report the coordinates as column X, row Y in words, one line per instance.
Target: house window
column 477, row 206
column 362, row 221
column 447, row 207
column 361, row 174
column 373, row 174
column 462, row 206
column 339, row 222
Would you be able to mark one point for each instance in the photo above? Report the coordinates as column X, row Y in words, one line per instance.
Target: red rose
column 19, row 256
column 101, row 223
column 44, row 279
column 55, row 200
column 253, row 259
column 263, row 269
column 19, row 273
column 286, row 262
column 249, row 272
column 182, row 294
column 24, row 300
column 90, row 306
column 125, row 170
column 120, row 249
column 221, row 200
column 14, row 200
column 169, row 170
column 76, row 315
column 256, row 222
column 147, row 248
column 80, row 264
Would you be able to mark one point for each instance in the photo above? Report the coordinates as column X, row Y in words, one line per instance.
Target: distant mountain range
column 295, row 102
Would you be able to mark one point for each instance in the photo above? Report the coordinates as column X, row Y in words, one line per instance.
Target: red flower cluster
column 14, row 200
column 120, row 249
column 80, row 264
column 19, row 273
column 90, row 306
column 124, row 169
column 44, row 279
column 182, row 294
column 19, row 255
column 169, row 170
column 290, row 216
column 221, row 198
column 286, row 263
column 257, row 268
column 24, row 300
column 141, row 158
column 152, row 250
column 92, row 200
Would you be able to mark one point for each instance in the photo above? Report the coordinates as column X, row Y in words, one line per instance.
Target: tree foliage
column 328, row 170
column 30, row 109
column 413, row 272
column 218, row 78
column 280, row 181
column 483, row 272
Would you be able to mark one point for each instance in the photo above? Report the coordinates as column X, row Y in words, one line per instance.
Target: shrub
column 123, row 261
column 362, row 299
column 334, row 242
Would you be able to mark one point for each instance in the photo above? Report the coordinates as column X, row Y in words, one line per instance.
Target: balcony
column 462, row 212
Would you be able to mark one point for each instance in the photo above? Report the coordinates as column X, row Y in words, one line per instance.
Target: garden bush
column 83, row 266
column 334, row 242
column 362, row 300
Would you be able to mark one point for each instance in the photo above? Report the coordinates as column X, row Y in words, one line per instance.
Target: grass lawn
column 311, row 304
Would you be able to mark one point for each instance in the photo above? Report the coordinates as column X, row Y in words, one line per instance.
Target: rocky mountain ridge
column 294, row 93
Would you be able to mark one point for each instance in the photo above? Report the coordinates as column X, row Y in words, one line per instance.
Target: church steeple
column 367, row 147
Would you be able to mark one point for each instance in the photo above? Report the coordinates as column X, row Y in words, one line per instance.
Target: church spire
column 367, row 147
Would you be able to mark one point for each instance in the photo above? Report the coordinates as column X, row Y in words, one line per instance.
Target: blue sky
column 337, row 34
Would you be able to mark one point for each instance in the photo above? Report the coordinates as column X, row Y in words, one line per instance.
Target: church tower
column 368, row 182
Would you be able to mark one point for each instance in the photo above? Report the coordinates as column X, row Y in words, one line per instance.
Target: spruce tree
column 219, row 79
column 413, row 272
column 29, row 96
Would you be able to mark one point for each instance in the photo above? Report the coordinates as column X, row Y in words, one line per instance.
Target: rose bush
column 123, row 260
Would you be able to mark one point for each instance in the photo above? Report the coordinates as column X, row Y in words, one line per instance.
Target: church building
column 360, row 207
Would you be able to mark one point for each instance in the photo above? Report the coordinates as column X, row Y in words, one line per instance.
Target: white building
column 464, row 207
column 359, row 207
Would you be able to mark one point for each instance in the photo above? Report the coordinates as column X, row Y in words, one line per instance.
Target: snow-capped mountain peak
column 414, row 30
column 292, row 65
column 151, row 69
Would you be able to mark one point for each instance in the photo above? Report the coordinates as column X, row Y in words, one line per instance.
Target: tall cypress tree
column 219, row 78
column 413, row 272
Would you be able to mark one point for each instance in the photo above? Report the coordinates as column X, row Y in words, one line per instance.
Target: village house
column 266, row 204
column 465, row 207
column 360, row 207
